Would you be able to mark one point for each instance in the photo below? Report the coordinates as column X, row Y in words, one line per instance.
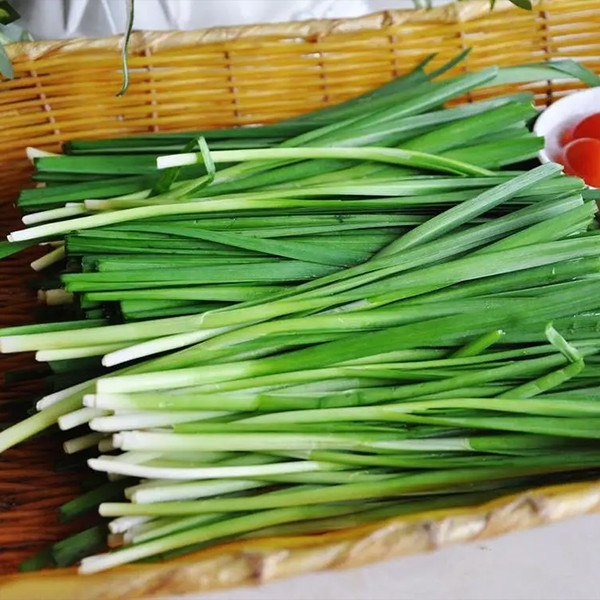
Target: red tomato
column 560, row 158
column 588, row 128
column 566, row 137
column 583, row 158
column 568, row 168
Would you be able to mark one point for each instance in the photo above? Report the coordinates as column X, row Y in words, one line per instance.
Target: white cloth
column 52, row 19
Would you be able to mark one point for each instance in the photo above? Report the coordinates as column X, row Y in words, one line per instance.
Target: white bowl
column 566, row 112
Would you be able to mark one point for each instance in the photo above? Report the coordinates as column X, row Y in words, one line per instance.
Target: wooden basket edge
column 166, row 40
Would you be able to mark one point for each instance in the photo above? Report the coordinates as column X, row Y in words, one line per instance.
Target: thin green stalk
column 462, row 213
column 411, row 158
column 394, row 486
column 480, row 344
column 206, row 532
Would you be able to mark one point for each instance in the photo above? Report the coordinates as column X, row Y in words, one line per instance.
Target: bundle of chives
column 356, row 318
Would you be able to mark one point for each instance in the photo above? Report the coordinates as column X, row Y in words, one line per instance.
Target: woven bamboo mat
column 234, row 76
column 30, row 490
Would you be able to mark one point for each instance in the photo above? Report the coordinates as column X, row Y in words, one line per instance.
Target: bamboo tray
column 235, row 76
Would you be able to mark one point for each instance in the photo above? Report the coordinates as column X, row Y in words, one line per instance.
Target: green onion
column 344, row 317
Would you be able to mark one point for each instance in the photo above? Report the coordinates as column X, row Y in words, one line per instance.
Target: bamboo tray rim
column 148, row 40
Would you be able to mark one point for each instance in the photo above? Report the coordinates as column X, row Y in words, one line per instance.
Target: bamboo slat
column 235, row 76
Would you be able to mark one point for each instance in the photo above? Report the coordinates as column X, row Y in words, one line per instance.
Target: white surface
column 70, row 18
column 558, row 562
column 567, row 111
